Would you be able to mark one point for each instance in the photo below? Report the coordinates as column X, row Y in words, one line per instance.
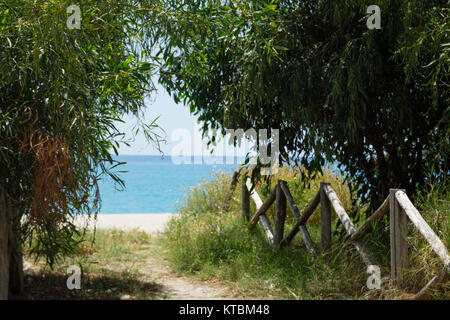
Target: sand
column 148, row 222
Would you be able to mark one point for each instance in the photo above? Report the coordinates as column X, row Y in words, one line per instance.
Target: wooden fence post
column 399, row 246
column 260, row 209
column 229, row 195
column 280, row 217
column 325, row 218
column 245, row 200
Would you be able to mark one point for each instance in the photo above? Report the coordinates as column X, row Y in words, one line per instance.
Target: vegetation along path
column 120, row 264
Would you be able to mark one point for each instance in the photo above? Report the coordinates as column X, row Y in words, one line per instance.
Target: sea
column 156, row 184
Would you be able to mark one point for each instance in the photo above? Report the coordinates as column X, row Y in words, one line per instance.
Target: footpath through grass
column 112, row 268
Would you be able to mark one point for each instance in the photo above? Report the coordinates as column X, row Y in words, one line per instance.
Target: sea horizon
column 156, row 184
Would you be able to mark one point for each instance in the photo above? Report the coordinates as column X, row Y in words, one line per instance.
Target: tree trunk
column 15, row 251
column 11, row 265
column 4, row 252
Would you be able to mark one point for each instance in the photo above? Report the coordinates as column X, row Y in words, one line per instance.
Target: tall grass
column 210, row 243
column 214, row 244
column 433, row 203
column 208, row 195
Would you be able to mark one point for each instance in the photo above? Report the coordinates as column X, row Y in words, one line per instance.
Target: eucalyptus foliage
column 374, row 101
column 62, row 91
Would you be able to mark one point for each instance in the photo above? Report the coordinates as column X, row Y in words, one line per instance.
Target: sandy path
column 175, row 287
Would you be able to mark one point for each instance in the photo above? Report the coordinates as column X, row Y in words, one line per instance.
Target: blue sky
column 174, row 119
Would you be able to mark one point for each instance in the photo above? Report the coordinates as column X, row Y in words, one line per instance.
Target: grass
column 219, row 247
column 211, row 244
column 111, row 267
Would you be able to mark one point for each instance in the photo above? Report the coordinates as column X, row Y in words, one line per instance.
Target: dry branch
column 306, row 214
column 370, row 221
column 296, row 214
column 233, row 183
column 439, row 277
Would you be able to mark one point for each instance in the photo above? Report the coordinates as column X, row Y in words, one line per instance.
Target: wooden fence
column 397, row 204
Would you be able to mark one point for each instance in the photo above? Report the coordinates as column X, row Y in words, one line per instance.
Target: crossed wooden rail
column 397, row 204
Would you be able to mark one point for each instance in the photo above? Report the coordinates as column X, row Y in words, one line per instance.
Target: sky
column 182, row 131
column 172, row 117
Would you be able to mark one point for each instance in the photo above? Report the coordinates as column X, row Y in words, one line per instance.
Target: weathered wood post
column 245, row 200
column 228, row 196
column 261, row 207
column 280, row 217
column 399, row 246
column 325, row 218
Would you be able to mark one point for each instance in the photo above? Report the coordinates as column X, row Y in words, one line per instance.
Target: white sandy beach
column 148, row 222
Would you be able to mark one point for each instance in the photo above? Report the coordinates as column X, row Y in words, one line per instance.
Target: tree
column 61, row 92
column 375, row 101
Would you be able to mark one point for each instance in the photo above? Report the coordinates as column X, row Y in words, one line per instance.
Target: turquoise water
column 153, row 184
